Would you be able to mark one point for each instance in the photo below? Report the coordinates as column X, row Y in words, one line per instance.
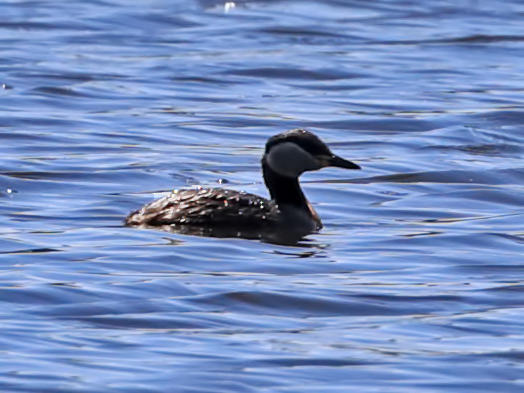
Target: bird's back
column 213, row 206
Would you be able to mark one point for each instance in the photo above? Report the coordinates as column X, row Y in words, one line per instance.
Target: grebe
column 286, row 157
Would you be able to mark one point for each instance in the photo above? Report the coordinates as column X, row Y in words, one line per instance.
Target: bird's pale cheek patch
column 290, row 160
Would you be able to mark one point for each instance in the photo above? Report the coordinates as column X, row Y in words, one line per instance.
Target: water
column 414, row 285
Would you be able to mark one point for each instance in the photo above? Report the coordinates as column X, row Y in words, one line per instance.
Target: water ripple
column 415, row 283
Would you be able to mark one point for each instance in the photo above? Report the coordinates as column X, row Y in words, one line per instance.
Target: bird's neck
column 284, row 190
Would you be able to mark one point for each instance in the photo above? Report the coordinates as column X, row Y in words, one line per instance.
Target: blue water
column 416, row 283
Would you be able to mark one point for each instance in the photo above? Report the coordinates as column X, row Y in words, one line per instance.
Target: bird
column 287, row 155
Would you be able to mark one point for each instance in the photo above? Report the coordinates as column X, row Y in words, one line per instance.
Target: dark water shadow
column 280, row 237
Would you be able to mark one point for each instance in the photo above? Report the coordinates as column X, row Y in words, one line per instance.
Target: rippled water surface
column 416, row 283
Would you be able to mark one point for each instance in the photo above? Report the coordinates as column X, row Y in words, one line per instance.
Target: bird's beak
column 338, row 162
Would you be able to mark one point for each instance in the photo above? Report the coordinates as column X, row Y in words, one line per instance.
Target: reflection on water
column 284, row 237
column 414, row 284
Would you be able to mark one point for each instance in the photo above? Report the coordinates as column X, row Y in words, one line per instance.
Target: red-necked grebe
column 286, row 157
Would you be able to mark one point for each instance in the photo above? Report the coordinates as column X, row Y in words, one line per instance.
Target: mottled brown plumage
column 213, row 206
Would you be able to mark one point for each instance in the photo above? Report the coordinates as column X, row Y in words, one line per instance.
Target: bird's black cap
column 303, row 138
